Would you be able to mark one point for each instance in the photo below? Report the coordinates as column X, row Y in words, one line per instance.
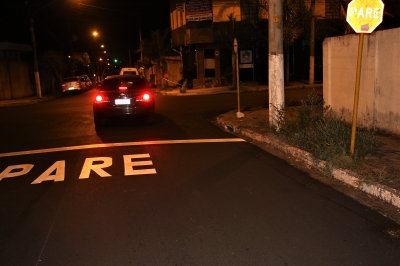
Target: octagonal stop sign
column 364, row 15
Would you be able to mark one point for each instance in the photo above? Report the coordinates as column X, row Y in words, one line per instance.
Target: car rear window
column 116, row 83
column 130, row 73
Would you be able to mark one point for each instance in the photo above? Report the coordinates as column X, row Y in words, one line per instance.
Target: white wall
column 379, row 99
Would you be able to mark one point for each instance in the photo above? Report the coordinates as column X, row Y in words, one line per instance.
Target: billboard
column 198, row 10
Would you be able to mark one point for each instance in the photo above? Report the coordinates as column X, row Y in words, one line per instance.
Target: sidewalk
column 26, row 100
column 386, row 162
column 243, row 86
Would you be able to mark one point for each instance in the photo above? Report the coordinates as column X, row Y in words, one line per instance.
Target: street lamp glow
column 102, row 46
column 95, row 33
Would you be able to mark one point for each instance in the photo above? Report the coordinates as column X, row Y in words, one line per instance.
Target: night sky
column 67, row 25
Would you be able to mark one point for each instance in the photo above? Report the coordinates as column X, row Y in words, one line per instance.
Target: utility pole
column 140, row 36
column 312, row 44
column 275, row 61
column 35, row 59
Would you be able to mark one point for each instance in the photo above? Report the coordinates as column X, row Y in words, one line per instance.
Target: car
column 74, row 84
column 129, row 71
column 124, row 96
column 87, row 80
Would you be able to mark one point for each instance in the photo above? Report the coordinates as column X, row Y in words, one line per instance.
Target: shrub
column 316, row 128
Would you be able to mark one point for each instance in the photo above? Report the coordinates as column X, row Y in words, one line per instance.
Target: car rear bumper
column 122, row 111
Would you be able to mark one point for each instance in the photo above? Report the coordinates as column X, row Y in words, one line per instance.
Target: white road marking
column 121, row 144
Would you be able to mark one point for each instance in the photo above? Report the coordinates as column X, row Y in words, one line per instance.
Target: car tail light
column 122, row 88
column 77, row 83
column 143, row 98
column 63, row 85
column 101, row 99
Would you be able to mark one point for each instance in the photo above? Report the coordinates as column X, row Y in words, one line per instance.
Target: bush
column 316, row 128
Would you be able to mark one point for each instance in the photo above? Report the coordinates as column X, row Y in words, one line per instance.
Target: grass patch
column 316, row 128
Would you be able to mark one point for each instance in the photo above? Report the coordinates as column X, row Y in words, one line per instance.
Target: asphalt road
column 179, row 192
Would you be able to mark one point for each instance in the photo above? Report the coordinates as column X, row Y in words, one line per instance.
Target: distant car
column 129, row 96
column 74, row 84
column 129, row 71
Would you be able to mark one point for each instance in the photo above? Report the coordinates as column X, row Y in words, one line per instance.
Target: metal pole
column 236, row 50
column 237, row 80
column 356, row 93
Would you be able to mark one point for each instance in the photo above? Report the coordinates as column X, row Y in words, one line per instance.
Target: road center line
column 121, row 144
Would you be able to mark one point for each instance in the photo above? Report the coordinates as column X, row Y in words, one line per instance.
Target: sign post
column 363, row 16
column 236, row 50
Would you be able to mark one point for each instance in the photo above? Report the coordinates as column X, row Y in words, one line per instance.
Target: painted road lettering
column 56, row 172
column 367, row 13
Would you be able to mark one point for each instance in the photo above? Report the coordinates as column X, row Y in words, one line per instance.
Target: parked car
column 87, row 80
column 128, row 96
column 74, row 84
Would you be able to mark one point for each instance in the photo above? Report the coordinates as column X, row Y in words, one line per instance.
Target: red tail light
column 101, row 99
column 77, row 83
column 143, row 98
column 122, row 88
column 146, row 97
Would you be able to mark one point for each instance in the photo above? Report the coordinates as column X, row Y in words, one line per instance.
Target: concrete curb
column 382, row 192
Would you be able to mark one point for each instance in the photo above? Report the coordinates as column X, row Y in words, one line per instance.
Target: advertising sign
column 198, row 10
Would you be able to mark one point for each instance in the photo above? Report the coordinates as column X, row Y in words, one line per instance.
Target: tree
column 155, row 48
column 295, row 19
column 248, row 33
column 60, row 65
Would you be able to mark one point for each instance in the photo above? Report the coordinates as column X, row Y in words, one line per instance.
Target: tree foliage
column 155, row 48
column 60, row 65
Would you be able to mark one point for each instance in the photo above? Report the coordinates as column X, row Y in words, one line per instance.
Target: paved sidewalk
column 244, row 87
column 26, row 100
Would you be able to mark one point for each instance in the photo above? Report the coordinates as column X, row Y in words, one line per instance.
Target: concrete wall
column 379, row 99
column 174, row 66
column 15, row 80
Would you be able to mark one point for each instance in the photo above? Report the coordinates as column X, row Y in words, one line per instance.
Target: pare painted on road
column 56, row 172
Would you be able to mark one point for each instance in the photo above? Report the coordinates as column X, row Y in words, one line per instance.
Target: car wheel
column 101, row 122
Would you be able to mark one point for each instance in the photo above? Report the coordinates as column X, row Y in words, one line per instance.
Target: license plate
column 122, row 101
column 71, row 88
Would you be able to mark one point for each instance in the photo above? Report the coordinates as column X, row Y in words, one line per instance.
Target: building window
column 248, row 10
column 209, row 63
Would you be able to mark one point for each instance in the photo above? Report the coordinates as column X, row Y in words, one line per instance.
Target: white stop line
column 121, row 144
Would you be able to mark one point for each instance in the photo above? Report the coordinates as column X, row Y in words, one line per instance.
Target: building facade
column 203, row 31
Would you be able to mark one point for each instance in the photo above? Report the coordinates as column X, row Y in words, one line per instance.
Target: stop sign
column 364, row 15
